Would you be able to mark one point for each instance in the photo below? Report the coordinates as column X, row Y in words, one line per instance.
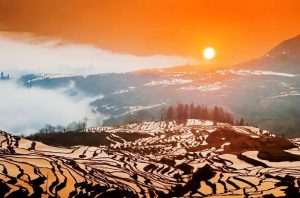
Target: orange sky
column 238, row 29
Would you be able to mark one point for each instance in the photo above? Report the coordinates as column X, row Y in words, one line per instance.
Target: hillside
column 285, row 57
column 265, row 91
column 192, row 159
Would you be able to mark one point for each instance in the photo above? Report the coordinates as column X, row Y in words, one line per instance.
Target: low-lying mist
column 26, row 110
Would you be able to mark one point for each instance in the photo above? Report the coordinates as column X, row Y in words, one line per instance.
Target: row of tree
column 74, row 126
column 190, row 111
column 3, row 77
column 180, row 112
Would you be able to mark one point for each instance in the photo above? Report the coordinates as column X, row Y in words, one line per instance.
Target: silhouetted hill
column 289, row 48
column 285, row 57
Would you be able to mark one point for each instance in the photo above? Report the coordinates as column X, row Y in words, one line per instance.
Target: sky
column 141, row 33
column 22, row 56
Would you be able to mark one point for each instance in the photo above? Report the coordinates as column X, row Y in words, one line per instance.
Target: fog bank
column 26, row 110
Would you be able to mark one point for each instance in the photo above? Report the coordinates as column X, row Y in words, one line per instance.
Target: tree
column 192, row 111
column 170, row 115
column 216, row 114
column 180, row 112
column 205, row 114
column 186, row 112
column 49, row 128
column 60, row 128
column 222, row 117
column 183, row 112
column 242, row 122
column 237, row 123
column 229, row 119
column 198, row 112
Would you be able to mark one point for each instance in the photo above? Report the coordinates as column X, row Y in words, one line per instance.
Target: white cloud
column 26, row 110
column 49, row 57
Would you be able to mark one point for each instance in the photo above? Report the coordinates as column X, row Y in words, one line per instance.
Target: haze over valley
column 270, row 85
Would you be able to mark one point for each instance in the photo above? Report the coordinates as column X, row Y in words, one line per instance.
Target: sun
column 209, row 53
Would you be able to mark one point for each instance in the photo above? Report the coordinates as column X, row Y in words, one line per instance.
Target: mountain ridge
column 285, row 51
column 265, row 91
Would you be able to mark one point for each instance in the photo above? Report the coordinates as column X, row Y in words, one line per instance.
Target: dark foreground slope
column 194, row 159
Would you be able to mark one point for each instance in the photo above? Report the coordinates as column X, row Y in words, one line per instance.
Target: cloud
column 26, row 110
column 238, row 30
column 51, row 57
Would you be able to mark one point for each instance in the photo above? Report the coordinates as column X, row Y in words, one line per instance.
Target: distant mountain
column 89, row 84
column 285, row 57
column 290, row 49
column 266, row 91
column 183, row 68
column 152, row 159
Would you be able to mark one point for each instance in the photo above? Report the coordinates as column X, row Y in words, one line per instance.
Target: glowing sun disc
column 209, row 53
